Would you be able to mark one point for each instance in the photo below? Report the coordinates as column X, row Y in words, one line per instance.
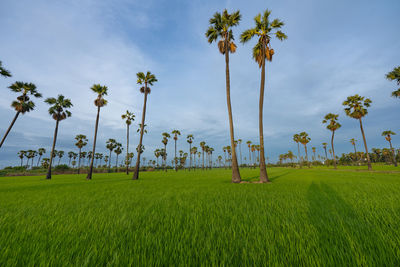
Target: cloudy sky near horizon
column 335, row 49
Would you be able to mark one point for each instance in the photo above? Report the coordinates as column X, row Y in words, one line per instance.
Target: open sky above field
column 334, row 49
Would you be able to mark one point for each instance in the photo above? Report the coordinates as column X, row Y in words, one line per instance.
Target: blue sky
column 335, row 49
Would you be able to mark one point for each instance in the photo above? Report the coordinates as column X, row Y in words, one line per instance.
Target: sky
column 334, row 49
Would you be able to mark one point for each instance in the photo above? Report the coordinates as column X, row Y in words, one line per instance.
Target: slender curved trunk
column 116, row 163
column 175, row 159
column 263, row 169
column 165, row 158
column 40, row 156
column 394, row 155
column 79, row 160
column 48, row 176
column 305, row 148
column 89, row 176
column 190, row 154
column 136, row 171
column 109, row 161
column 9, row 128
column 249, row 156
column 326, row 155
column 355, row 152
column 298, row 153
column 21, row 161
column 333, row 150
column 365, row 145
column 203, row 160
column 127, row 149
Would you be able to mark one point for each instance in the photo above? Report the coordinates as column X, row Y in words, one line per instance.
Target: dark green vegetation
column 314, row 216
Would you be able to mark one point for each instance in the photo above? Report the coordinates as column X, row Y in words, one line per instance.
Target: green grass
column 304, row 217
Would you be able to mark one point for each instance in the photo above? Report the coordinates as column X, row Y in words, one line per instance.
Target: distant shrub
column 62, row 167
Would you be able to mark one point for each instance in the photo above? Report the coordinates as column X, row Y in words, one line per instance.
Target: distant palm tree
column 324, row 145
column 3, row 71
column 21, row 155
column 296, row 138
column 194, row 152
column 81, row 142
column 189, row 139
column 353, row 142
column 388, row 136
column 221, row 28
column 145, row 80
column 118, row 150
column 304, row 140
column 157, row 154
column 332, row 125
column 71, row 154
column 60, row 154
column 176, row 133
column 23, row 103
column 264, row 30
column 111, row 144
column 128, row 117
column 59, row 112
column 394, row 75
column 249, row 146
column 203, row 147
column 41, row 152
column 240, row 150
column 356, row 108
column 100, row 102
column 165, row 142
column 313, row 150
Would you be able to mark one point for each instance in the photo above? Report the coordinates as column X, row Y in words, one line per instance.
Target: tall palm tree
column 394, row 75
column 356, row 108
column 111, row 144
column 353, row 142
column 81, row 141
column 324, row 145
column 21, row 155
column 249, row 146
column 100, row 102
column 23, row 103
column 117, row 151
column 128, row 117
column 332, row 125
column 203, row 147
column 264, row 30
column 165, row 142
column 304, row 140
column 59, row 112
column 60, row 154
column 296, row 138
column 70, row 156
column 3, row 71
column 221, row 28
column 194, row 152
column 145, row 80
column 41, row 152
column 176, row 133
column 189, row 139
column 388, row 136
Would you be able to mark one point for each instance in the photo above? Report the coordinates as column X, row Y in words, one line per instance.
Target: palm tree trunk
column 190, row 154
column 333, row 150
column 305, row 148
column 116, row 164
column 355, row 152
column 136, row 171
column 394, row 155
column 240, row 151
column 249, row 156
column 79, row 160
column 175, row 159
column 21, row 161
column 127, row 149
column 203, row 160
column 326, row 155
column 365, row 145
column 48, row 176
column 235, row 168
column 109, row 161
column 165, row 157
column 9, row 129
column 298, row 153
column 89, row 176
column 263, row 169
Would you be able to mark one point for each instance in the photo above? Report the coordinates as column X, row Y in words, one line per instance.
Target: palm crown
column 111, row 144
column 101, row 91
column 176, row 133
column 59, row 106
column 388, row 134
column 23, row 103
column 394, row 75
column 146, row 79
column 3, row 71
column 128, row 117
column 220, row 27
column 332, row 119
column 81, row 140
column 303, row 138
column 353, row 141
column 356, row 106
column 264, row 30
column 296, row 138
column 190, row 138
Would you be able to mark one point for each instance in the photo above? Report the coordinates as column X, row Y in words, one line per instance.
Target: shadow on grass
column 346, row 237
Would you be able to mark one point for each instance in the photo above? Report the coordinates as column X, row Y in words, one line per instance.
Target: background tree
column 118, row 151
column 324, row 145
column 388, row 136
column 240, row 150
column 31, row 155
column 249, row 146
column 296, row 138
column 165, row 142
column 70, row 156
column 221, row 28
column 3, row 71
column 145, row 80
column 41, row 152
column 128, row 117
column 176, row 133
column 394, row 75
column 332, row 125
column 264, row 30
column 99, row 102
column 60, row 154
column 59, row 112
column 111, row 144
column 81, row 141
column 356, row 108
column 21, row 155
column 353, row 142
column 189, row 139
column 203, row 147
column 23, row 103
column 304, row 140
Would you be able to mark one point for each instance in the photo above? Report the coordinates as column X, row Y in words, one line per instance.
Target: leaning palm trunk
column 9, row 128
column 333, row 150
column 190, row 154
column 175, row 159
column 48, row 176
column 127, row 149
column 89, row 176
column 235, row 169
column 393, row 154
column 365, row 145
column 136, row 171
column 263, row 169
column 298, row 153
column 79, row 160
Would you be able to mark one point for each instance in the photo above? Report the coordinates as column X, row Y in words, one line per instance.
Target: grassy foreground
column 305, row 217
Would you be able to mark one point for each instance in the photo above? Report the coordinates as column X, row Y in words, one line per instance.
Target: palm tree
column 81, row 142
column 240, row 149
column 332, row 125
column 128, row 117
column 353, row 142
column 23, row 103
column 313, row 150
column 324, row 145
column 176, row 133
column 189, row 139
column 165, row 142
column 264, row 30
column 41, row 152
column 296, row 138
column 21, row 155
column 70, row 156
column 83, row 156
column 388, row 136
column 356, row 108
column 194, row 152
column 60, row 154
column 3, row 71
column 157, row 154
column 144, row 80
column 221, row 28
column 304, row 140
column 59, row 112
column 118, row 150
column 100, row 102
column 110, row 145
column 394, row 75
column 249, row 146
column 203, row 147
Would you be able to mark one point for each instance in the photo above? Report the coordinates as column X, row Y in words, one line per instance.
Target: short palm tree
column 221, row 28
column 324, row 145
column 394, row 75
column 176, row 133
column 249, row 146
column 332, row 125
column 81, row 141
column 128, row 117
column 21, row 155
column 356, row 108
column 118, row 151
column 70, row 156
column 23, row 103
column 203, row 147
column 99, row 102
column 60, row 154
column 59, row 111
column 145, row 80
column 3, row 71
column 41, row 152
column 353, row 142
column 388, row 136
column 296, row 138
column 304, row 140
column 189, row 139
column 111, row 144
column 264, row 30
